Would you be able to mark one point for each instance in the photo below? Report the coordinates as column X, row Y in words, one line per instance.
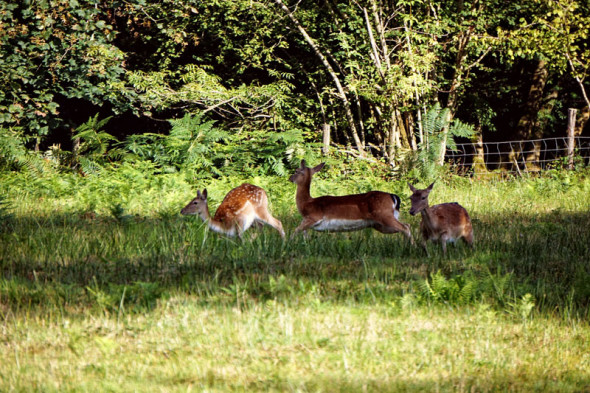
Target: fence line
column 515, row 157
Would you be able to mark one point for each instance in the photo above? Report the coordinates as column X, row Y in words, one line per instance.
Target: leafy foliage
column 51, row 49
column 252, row 88
column 192, row 144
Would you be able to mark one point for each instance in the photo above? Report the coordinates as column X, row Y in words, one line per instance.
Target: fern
column 95, row 141
column 460, row 130
column 147, row 146
column 6, row 217
column 196, row 146
column 497, row 286
column 434, row 122
column 89, row 166
column 15, row 155
column 95, row 145
column 523, row 307
column 118, row 213
column 192, row 143
column 459, row 290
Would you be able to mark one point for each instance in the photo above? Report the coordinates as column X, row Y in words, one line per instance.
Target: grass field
column 105, row 287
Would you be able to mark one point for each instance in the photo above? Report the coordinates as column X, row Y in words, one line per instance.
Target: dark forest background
column 257, row 84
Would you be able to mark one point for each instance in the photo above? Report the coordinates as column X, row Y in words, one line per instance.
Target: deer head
column 198, row 206
column 419, row 199
column 303, row 174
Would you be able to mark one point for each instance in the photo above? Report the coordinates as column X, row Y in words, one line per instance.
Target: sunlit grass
column 315, row 346
column 99, row 292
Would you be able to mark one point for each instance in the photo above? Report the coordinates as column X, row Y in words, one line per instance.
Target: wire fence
column 518, row 156
column 510, row 157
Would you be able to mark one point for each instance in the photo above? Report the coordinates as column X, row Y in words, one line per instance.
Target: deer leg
column 304, row 226
column 265, row 217
column 392, row 225
column 276, row 224
column 239, row 230
column 469, row 239
column 424, row 246
column 444, row 238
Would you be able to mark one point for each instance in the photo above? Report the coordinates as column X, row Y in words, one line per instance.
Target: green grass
column 314, row 346
column 114, row 291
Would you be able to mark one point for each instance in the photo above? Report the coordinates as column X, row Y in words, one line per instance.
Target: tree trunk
column 479, row 161
column 416, row 94
column 528, row 126
column 582, row 120
column 527, row 121
column 533, row 158
column 454, row 89
column 392, row 137
column 330, row 70
column 571, row 141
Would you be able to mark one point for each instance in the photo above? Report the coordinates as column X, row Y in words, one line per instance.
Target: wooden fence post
column 571, row 141
column 326, row 139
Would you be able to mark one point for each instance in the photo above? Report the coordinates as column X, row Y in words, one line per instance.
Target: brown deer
column 446, row 222
column 240, row 208
column 374, row 209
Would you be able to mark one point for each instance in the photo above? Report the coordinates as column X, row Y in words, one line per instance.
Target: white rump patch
column 341, row 225
column 395, row 211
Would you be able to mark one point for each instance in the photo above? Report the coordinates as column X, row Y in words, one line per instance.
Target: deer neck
column 205, row 216
column 427, row 216
column 302, row 195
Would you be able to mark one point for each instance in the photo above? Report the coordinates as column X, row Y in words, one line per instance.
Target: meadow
column 105, row 287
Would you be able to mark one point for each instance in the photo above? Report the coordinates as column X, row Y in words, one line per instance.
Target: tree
column 49, row 49
column 557, row 32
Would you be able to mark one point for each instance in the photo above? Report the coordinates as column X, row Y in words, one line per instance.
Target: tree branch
column 330, row 70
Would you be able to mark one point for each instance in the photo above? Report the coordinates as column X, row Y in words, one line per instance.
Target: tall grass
column 534, row 231
column 103, row 284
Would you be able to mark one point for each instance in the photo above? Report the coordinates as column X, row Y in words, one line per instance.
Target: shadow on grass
column 522, row 380
column 81, row 257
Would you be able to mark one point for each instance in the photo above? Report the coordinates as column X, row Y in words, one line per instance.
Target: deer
column 241, row 207
column 374, row 209
column 446, row 222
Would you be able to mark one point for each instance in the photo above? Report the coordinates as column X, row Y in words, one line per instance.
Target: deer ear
column 429, row 188
column 204, row 193
column 412, row 187
column 303, row 164
column 318, row 168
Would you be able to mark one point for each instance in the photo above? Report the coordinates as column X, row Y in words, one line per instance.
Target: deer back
column 240, row 201
column 449, row 218
column 353, row 207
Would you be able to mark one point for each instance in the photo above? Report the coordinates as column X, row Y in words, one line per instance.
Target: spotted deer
column 446, row 222
column 374, row 209
column 241, row 207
